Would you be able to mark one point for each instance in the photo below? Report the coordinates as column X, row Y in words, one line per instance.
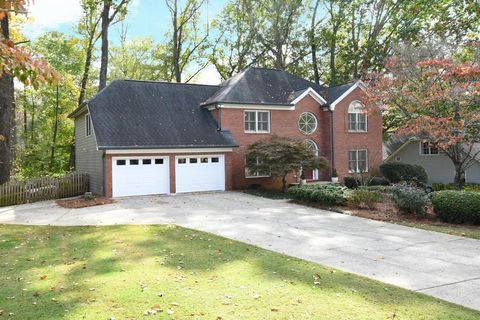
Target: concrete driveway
column 444, row 266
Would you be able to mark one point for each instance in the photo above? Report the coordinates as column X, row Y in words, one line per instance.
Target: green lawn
column 133, row 272
column 456, row 230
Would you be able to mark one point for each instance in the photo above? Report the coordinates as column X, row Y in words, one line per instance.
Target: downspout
column 332, row 142
column 219, row 110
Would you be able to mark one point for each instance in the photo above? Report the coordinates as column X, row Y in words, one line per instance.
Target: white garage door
column 140, row 176
column 199, row 173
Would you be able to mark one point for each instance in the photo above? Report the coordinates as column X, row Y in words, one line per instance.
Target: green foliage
column 409, row 199
column 450, row 186
column 457, row 206
column 363, row 198
column 281, row 156
column 397, row 172
column 325, row 194
column 353, row 182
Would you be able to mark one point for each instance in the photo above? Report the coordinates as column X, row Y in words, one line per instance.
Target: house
column 438, row 165
column 142, row 137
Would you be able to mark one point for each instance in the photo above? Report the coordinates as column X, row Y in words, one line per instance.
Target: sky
column 146, row 18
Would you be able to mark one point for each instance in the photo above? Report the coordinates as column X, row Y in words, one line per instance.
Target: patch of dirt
column 82, row 203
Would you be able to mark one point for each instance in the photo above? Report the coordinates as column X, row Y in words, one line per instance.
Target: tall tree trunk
column 7, row 115
column 32, row 124
column 55, row 130
column 177, row 42
column 86, row 71
column 104, row 58
column 284, row 183
column 313, row 44
column 459, row 179
column 333, row 68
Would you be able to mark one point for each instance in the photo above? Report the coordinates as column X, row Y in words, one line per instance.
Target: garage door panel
column 206, row 174
column 140, row 176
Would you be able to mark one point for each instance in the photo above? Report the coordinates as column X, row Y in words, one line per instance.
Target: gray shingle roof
column 261, row 86
column 142, row 114
column 335, row 92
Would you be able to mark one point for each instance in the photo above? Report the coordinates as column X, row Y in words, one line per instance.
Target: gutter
column 332, row 137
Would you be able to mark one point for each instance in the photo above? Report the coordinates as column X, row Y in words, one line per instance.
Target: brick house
column 141, row 137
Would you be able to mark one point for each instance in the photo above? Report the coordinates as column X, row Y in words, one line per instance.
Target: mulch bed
column 82, row 203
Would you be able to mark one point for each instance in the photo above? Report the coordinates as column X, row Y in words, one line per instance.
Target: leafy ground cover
column 168, row 272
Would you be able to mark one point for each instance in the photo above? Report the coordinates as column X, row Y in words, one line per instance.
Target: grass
column 456, row 230
column 168, row 272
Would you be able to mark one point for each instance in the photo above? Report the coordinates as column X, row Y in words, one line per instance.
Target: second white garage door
column 199, row 173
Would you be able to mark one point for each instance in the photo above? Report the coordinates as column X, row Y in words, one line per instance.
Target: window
column 312, row 146
column 147, row 161
column 158, row 161
column 121, row 162
column 204, row 160
column 214, row 160
column 357, row 161
column 88, row 125
column 357, row 119
column 307, row 123
column 182, row 161
column 134, row 162
column 428, row 148
column 257, row 121
column 193, row 160
column 256, row 174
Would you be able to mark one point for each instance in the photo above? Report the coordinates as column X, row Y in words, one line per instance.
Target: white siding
column 473, row 173
column 87, row 158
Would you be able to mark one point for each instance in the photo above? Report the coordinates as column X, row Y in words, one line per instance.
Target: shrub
column 379, row 181
column 457, row 206
column 472, row 187
column 363, row 198
column 409, row 199
column 350, row 182
column 397, row 172
column 353, row 182
column 327, row 194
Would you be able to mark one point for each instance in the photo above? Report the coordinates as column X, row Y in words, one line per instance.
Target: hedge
column 353, row 182
column 409, row 199
column 326, row 194
column 396, row 172
column 457, row 206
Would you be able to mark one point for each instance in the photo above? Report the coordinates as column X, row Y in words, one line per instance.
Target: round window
column 312, row 146
column 307, row 123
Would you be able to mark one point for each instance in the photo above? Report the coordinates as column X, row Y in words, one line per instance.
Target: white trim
column 253, row 177
column 313, row 94
column 359, row 84
column 315, row 171
column 254, row 106
column 88, row 125
column 357, row 112
column 160, row 151
column 316, row 123
column 406, row 143
column 256, row 121
column 420, row 150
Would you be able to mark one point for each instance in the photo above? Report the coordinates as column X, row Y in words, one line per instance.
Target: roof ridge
column 342, row 84
column 168, row 82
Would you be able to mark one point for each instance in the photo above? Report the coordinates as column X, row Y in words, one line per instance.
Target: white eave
column 359, row 84
column 313, row 94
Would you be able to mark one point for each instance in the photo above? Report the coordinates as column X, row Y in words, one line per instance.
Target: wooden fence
column 12, row 193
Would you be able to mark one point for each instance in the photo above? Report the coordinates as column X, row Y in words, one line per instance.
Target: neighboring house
column 141, row 137
column 438, row 166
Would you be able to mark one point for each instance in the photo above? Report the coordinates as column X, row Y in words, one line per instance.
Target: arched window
column 312, row 146
column 357, row 118
column 307, row 123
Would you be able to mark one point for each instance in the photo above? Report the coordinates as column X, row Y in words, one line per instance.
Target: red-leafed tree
column 438, row 100
column 15, row 62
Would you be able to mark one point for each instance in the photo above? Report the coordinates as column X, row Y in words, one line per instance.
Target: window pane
column 263, row 121
column 352, row 121
column 250, row 119
column 362, row 123
column 352, row 161
column 121, row 162
column 134, row 162
column 147, row 161
column 193, row 160
column 215, row 159
column 158, row 161
column 425, row 148
column 182, row 160
column 204, row 160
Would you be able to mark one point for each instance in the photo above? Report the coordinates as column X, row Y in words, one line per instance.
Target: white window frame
column 357, row 170
column 352, row 109
column 256, row 121
column 88, row 125
column 248, row 176
column 430, row 147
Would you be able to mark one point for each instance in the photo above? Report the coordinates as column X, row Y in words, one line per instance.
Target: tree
column 15, row 62
column 281, row 156
column 439, row 100
column 235, row 47
column 187, row 44
column 119, row 7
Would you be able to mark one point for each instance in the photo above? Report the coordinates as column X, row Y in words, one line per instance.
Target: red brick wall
column 345, row 141
column 171, row 156
column 283, row 123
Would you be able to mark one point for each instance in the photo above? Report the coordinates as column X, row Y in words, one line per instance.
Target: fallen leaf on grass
column 43, row 277
column 274, row 309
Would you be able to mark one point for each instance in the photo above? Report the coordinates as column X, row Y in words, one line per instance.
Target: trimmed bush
column 363, row 198
column 457, row 206
column 472, row 187
column 327, row 194
column 350, row 182
column 379, row 181
column 397, row 172
column 409, row 199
